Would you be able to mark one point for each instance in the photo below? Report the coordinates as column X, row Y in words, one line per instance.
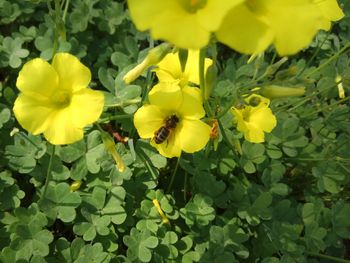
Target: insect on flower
column 163, row 132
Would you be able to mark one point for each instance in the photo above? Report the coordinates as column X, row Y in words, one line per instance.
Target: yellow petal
column 241, row 124
column 143, row 13
column 330, row 9
column 37, row 78
column 169, row 69
column 166, row 95
column 194, row 135
column 192, row 66
column 191, row 107
column 294, row 23
column 73, row 75
column 180, row 28
column 263, row 118
column 171, row 147
column 86, row 106
column 33, row 115
column 148, row 119
column 62, row 129
column 243, row 31
column 211, row 16
column 254, row 134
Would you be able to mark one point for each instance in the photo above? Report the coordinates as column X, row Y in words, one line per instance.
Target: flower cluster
column 55, row 100
column 172, row 119
column 248, row 26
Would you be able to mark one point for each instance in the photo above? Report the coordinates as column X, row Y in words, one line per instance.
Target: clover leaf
column 140, row 245
column 60, row 202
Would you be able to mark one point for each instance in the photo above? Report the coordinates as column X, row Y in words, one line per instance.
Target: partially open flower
column 169, row 68
column 55, row 100
column 255, row 118
column 172, row 120
column 185, row 23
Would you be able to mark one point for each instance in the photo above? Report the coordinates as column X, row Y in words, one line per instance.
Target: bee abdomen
column 161, row 135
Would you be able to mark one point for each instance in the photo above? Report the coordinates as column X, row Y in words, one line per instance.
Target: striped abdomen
column 161, row 135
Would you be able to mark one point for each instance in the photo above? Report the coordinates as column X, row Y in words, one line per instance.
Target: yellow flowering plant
column 54, row 99
column 115, row 195
column 254, row 118
column 167, row 100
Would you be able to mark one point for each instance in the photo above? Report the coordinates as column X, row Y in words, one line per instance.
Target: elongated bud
column 75, row 186
column 210, row 78
column 110, row 147
column 341, row 91
column 160, row 211
column 287, row 73
column 274, row 67
column 274, row 91
column 153, row 57
column 183, row 55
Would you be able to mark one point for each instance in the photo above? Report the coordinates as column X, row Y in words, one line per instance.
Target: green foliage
column 282, row 201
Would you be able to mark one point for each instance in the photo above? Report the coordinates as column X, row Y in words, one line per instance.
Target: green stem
column 49, row 6
column 144, row 157
column 173, row 175
column 328, row 61
column 65, row 10
column 314, row 55
column 327, row 107
column 49, row 168
column 335, row 259
column 57, row 17
column 306, row 99
column 202, row 55
column 185, row 186
column 224, row 136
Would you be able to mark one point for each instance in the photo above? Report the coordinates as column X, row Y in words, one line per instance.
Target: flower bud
column 210, row 78
column 153, row 57
column 110, row 147
column 160, row 211
column 341, row 91
column 274, row 91
column 183, row 55
column 274, row 67
column 75, row 185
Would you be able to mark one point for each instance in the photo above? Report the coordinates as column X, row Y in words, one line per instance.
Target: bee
column 163, row 132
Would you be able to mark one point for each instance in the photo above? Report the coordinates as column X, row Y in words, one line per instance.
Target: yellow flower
column 185, row 23
column 255, row 118
column 289, row 24
column 55, row 100
column 169, row 69
column 168, row 100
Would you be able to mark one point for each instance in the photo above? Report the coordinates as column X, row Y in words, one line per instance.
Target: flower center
column 61, row 98
column 246, row 114
column 183, row 80
column 254, row 101
column 192, row 6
